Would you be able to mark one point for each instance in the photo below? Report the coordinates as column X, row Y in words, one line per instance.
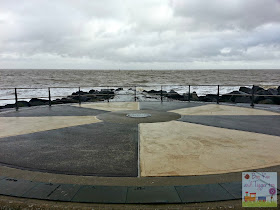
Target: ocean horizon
column 177, row 80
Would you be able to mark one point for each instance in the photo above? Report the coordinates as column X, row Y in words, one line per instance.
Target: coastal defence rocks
column 91, row 96
column 243, row 95
column 174, row 95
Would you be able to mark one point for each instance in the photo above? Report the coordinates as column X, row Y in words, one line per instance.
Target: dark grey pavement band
column 120, row 194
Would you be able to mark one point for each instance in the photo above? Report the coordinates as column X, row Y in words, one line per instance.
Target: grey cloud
column 220, row 14
column 144, row 33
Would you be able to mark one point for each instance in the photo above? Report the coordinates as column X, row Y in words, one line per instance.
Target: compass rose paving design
column 130, row 139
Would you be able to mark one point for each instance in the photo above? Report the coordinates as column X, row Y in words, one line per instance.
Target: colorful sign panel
column 259, row 189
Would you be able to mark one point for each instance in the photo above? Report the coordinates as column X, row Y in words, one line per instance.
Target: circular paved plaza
column 174, row 139
column 166, row 142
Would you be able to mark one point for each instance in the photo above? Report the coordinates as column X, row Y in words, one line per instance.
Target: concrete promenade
column 182, row 152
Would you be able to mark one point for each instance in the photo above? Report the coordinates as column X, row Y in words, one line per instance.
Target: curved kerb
column 119, row 194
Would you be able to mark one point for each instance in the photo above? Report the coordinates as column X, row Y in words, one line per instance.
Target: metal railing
column 161, row 93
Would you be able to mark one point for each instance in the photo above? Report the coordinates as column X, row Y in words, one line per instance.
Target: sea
column 64, row 82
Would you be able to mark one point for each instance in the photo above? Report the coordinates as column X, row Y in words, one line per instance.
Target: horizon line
column 137, row 69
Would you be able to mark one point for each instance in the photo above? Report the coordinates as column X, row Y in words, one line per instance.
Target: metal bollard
column 189, row 93
column 50, row 101
column 218, row 94
column 253, row 96
column 80, row 95
column 135, row 94
column 161, row 93
column 16, row 99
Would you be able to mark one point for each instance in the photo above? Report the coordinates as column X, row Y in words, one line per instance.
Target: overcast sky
column 144, row 34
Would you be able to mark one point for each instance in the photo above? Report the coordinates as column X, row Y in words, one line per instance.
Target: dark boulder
column 278, row 89
column 209, row 98
column 81, row 93
column 276, row 99
column 257, row 88
column 105, row 94
column 119, row 89
column 38, row 102
column 57, row 101
column 262, row 95
column 23, row 104
column 157, row 92
column 66, row 100
column 92, row 91
column 7, row 106
column 174, row 95
column 185, row 96
column 82, row 98
column 107, row 90
column 194, row 96
column 230, row 97
column 92, row 96
column 153, row 91
column 245, row 90
column 272, row 91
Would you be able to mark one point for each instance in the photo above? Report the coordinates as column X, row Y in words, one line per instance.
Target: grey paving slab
column 120, row 194
column 41, row 191
column 162, row 194
column 203, row 193
column 15, row 187
column 103, row 149
column 268, row 107
column 258, row 124
column 65, row 192
column 167, row 106
column 234, row 188
column 101, row 194
column 60, row 110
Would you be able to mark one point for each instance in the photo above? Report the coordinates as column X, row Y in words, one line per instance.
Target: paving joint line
column 229, row 192
column 53, row 190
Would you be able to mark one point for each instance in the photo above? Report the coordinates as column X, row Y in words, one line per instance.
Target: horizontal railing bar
column 234, row 95
column 249, row 95
column 133, row 86
column 269, row 95
column 34, row 97
column 246, row 95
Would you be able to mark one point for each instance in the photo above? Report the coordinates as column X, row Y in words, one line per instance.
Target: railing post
column 80, row 95
column 16, row 99
column 108, row 95
column 218, row 94
column 135, row 94
column 253, row 96
column 189, row 93
column 50, row 100
column 161, row 93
